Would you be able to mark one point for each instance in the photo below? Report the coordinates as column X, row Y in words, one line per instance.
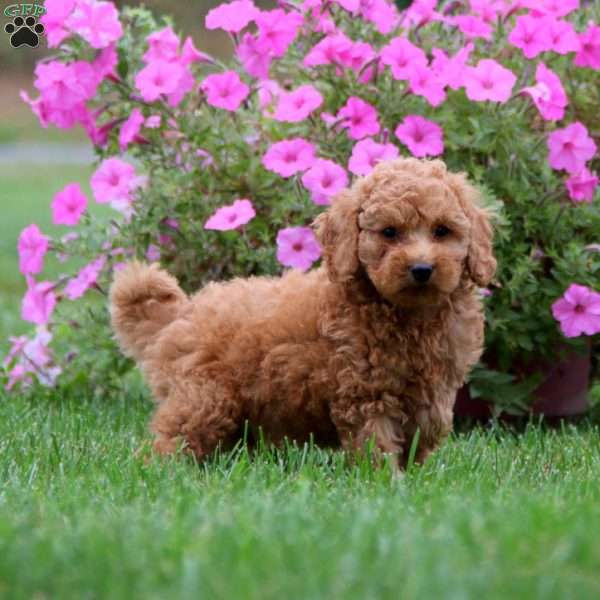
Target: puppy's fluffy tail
column 143, row 300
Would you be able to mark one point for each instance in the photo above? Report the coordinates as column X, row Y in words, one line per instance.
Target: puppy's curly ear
column 480, row 260
column 337, row 231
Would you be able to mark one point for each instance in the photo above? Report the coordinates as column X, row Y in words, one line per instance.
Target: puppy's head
column 413, row 229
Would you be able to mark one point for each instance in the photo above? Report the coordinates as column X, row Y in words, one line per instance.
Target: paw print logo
column 24, row 32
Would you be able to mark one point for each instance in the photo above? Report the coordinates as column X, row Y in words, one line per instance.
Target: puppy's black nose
column 421, row 272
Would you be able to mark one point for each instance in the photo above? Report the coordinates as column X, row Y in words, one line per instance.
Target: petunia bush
column 217, row 169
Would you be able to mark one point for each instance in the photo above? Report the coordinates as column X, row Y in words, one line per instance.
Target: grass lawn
column 491, row 515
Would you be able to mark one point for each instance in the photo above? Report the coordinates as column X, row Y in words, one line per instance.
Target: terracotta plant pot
column 562, row 393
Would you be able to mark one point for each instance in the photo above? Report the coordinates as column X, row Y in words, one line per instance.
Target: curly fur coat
column 373, row 345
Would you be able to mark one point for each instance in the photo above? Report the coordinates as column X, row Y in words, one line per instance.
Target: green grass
column 27, row 129
column 491, row 515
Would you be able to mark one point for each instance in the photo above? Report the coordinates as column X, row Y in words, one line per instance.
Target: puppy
column 373, row 345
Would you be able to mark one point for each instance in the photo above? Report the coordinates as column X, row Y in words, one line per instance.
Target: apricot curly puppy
column 372, row 345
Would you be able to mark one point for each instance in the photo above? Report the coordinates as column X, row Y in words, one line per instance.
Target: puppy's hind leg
column 200, row 412
column 372, row 434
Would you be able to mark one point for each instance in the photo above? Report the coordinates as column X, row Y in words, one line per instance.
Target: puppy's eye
column 441, row 231
column 389, row 232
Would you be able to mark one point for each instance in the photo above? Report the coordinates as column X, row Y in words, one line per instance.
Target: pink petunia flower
column 96, row 22
column 64, row 89
column 562, row 35
column 105, row 64
column 166, row 241
column 324, row 180
column 331, row 50
column 367, row 153
column 153, row 121
column 32, row 247
column 339, row 50
column 157, row 78
column 311, row 7
column 65, row 86
column 152, row 253
column 289, row 157
column 166, row 72
column 421, row 136
column 488, row 10
column 36, row 351
column 589, row 53
column 98, row 134
column 38, row 107
column 68, row 205
column 38, row 302
column 324, row 23
column 402, row 56
column 582, row 186
column 489, row 80
column 17, row 344
column 578, row 311
column 232, row 16
column 85, row 279
column 426, row 83
column 556, row 8
column 114, row 181
column 329, row 119
column 381, row 13
column 548, row 94
column 190, row 54
column 49, row 376
column 225, row 90
column 184, row 85
column 359, row 117
column 269, row 92
column 37, row 358
column 277, row 29
column 54, row 20
column 570, row 148
column 18, row 374
column 351, row 6
column 359, row 55
column 295, row 106
column 297, row 247
column 206, row 158
column 231, row 217
column 31, row 356
column 130, row 128
column 473, row 27
column 253, row 58
column 531, row 35
column 420, row 13
column 450, row 70
column 87, row 77
column 162, row 45
column 53, row 113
